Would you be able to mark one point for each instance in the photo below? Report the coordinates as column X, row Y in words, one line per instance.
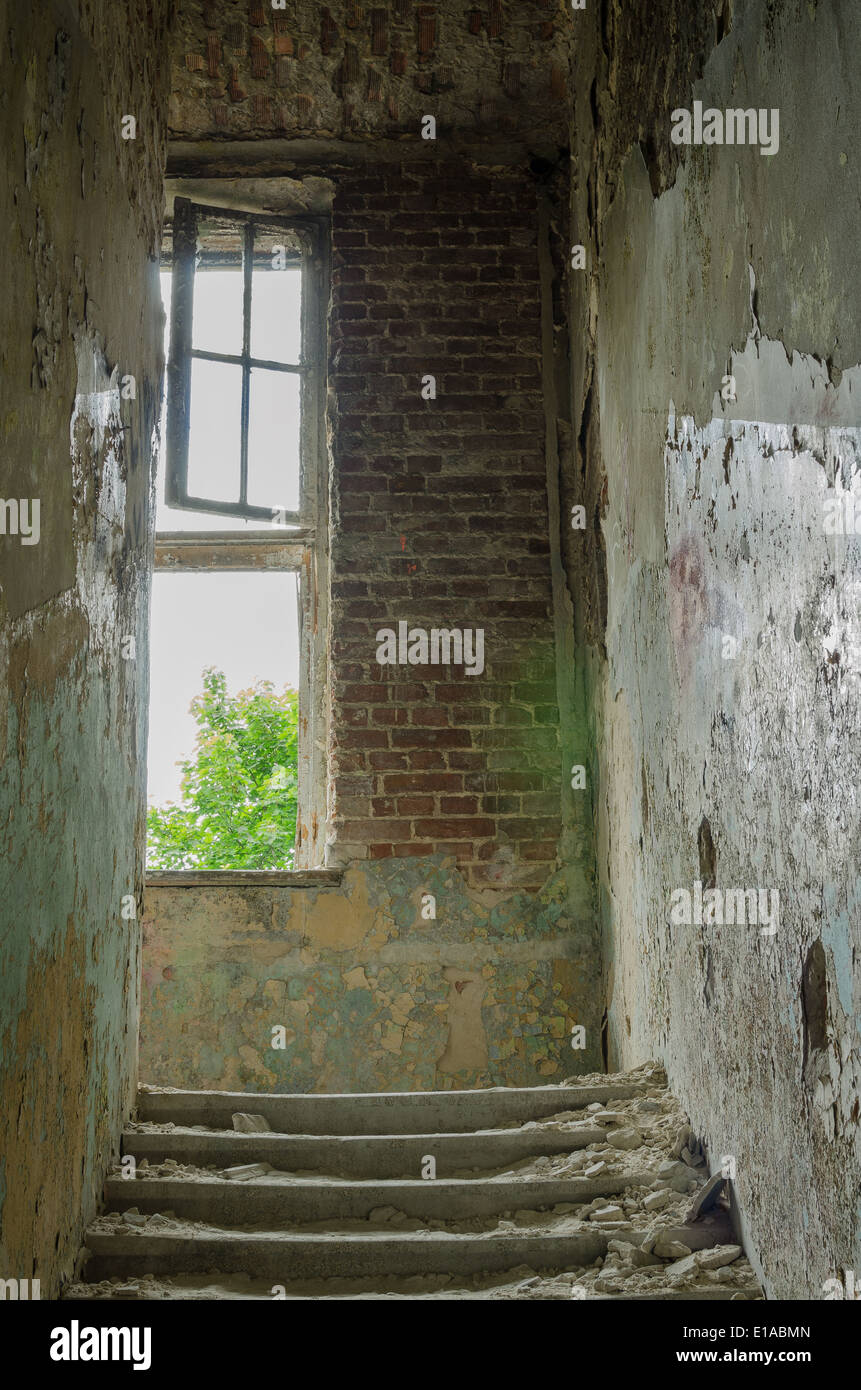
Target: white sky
column 245, row 624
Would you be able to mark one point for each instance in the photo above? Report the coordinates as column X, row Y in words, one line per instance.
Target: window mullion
column 247, row 269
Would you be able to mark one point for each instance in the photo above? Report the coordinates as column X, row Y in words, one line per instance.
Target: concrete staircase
column 504, row 1193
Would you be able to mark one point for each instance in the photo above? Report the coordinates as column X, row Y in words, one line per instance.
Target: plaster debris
column 638, row 1225
column 244, row 1171
column 250, row 1124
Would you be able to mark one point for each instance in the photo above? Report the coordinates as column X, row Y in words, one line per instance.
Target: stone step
column 718, row 1294
column 200, row 1289
column 273, row 1201
column 280, row 1257
column 419, row 1112
column 358, row 1156
column 332, row 1161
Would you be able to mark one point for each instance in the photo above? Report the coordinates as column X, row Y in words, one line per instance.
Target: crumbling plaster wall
column 80, row 311
column 372, row 994
column 724, row 620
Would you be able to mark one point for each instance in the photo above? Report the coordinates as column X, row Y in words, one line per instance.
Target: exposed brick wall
column 244, row 69
column 439, row 518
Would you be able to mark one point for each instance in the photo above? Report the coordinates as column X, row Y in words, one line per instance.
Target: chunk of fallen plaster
column 384, row 1214
column 669, row 1169
column 671, row 1249
column 251, row 1124
column 641, row 1259
column 656, row 1201
column 625, row 1138
column 622, row 1245
column 243, row 1171
column 595, row 1169
column 610, row 1213
column 718, row 1256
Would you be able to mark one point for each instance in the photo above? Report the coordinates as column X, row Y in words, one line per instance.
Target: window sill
column 243, row 878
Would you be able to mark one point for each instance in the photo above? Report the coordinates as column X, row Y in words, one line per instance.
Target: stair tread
column 393, row 1111
column 575, row 1128
column 338, row 1205
column 621, row 1090
column 137, row 1239
column 276, row 1179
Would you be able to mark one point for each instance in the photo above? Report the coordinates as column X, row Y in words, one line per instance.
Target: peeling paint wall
column 80, row 311
column 372, row 995
column 726, row 663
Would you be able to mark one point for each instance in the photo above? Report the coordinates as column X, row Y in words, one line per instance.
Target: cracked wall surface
column 81, row 210
column 722, row 613
column 372, row 995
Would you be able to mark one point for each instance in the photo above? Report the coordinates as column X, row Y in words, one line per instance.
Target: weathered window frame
column 187, row 216
column 300, row 548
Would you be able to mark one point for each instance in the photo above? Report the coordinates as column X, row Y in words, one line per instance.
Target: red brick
column 428, row 761
column 429, row 717
column 415, row 806
column 375, row 829
column 458, row 805
column 355, row 694
column 430, row 738
column 455, row 829
column 422, row 782
column 363, row 738
column 387, row 716
column 387, row 762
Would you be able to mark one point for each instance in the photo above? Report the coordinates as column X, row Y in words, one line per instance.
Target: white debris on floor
column 647, row 1158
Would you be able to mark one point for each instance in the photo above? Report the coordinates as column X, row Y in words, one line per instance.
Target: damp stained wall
column 80, row 311
column 371, row 991
column 726, row 666
column 444, row 513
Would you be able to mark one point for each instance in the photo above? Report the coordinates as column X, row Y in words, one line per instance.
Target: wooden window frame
column 306, row 233
column 303, row 546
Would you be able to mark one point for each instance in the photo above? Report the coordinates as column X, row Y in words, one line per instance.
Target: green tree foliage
column 239, row 790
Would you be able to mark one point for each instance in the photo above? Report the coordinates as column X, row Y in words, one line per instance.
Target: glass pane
column 276, row 309
column 173, row 518
column 214, row 437
column 217, row 318
column 273, row 440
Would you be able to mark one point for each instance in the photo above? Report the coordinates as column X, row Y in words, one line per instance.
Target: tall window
column 245, row 358
column 241, row 485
